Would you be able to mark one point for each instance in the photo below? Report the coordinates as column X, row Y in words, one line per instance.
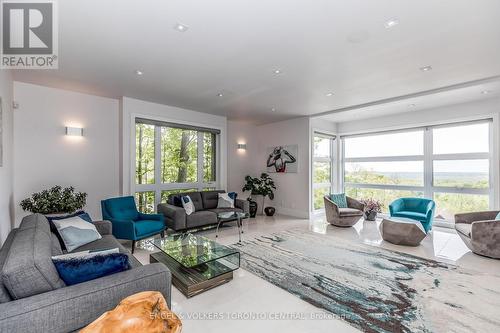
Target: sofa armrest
column 353, row 203
column 155, row 217
column 175, row 216
column 103, row 227
column 330, row 206
column 396, row 206
column 476, row 216
column 243, row 205
column 71, row 308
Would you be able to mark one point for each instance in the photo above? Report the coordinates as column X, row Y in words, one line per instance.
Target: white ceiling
column 234, row 46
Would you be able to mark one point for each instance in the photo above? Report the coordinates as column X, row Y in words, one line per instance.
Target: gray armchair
column 480, row 232
column 343, row 217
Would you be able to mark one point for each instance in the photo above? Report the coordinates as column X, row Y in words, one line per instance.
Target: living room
column 211, row 144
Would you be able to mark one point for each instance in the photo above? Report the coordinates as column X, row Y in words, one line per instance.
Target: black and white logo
column 29, row 34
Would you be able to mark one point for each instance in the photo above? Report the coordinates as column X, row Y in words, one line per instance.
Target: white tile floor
column 228, row 308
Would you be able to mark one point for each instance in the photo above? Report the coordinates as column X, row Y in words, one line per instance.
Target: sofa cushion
column 108, row 242
column 210, row 198
column 350, row 212
column 28, row 269
column 195, row 197
column 4, row 294
column 339, row 199
column 53, row 227
column 410, row 215
column 56, row 246
column 148, row 227
column 201, row 218
column 464, row 229
column 75, row 232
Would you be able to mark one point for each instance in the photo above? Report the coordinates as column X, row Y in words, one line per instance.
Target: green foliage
column 260, row 186
column 55, row 200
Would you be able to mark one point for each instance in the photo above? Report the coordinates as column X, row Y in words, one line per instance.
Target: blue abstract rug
column 373, row 289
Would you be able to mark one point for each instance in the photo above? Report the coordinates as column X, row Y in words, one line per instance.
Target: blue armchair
column 418, row 209
column 128, row 223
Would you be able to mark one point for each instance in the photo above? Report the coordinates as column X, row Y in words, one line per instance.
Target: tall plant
column 55, row 200
column 260, row 186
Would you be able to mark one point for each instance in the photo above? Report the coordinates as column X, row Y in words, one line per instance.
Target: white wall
column 6, row 170
column 241, row 163
column 44, row 156
column 132, row 108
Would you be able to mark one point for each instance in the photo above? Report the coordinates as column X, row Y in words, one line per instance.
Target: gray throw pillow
column 76, row 232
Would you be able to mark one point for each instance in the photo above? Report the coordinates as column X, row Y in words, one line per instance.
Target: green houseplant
column 260, row 188
column 56, row 200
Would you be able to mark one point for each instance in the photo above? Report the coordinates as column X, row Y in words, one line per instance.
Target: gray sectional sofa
column 34, row 299
column 206, row 210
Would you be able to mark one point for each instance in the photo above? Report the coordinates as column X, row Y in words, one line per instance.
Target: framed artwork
column 282, row 159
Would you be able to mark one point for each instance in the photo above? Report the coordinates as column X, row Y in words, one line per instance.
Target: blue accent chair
column 418, row 209
column 128, row 222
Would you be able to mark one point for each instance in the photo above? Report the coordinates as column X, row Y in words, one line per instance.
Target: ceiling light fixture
column 277, row 71
column 181, row 27
column 485, row 92
column 330, row 94
column 138, row 72
column 273, row 109
column 412, row 105
column 426, row 68
column 220, row 95
column 391, row 23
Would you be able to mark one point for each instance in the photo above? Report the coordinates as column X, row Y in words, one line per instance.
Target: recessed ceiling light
column 330, row 94
column 273, row 109
column 391, row 23
column 277, row 71
column 412, row 105
column 426, row 68
column 220, row 95
column 138, row 72
column 485, row 92
column 181, row 27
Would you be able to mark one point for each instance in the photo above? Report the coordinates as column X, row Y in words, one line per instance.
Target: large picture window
column 450, row 164
column 171, row 158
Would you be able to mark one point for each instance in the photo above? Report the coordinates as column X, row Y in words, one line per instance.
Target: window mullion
column 428, row 164
column 158, row 175
column 201, row 152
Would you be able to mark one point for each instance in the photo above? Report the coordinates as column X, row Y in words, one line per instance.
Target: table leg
column 239, row 229
column 217, row 231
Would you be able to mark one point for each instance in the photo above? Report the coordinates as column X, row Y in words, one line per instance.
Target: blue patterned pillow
column 498, row 217
column 78, row 270
column 339, row 199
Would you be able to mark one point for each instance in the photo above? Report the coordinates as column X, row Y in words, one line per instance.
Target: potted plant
column 372, row 208
column 260, row 188
column 55, row 201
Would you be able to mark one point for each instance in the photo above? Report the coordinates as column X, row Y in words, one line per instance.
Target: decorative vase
column 259, row 199
column 270, row 211
column 371, row 215
column 253, row 208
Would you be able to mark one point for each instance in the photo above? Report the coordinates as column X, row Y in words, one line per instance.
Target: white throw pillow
column 188, row 205
column 76, row 232
column 225, row 201
column 85, row 254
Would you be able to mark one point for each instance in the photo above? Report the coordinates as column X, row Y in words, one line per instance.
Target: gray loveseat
column 34, row 299
column 206, row 210
column 480, row 231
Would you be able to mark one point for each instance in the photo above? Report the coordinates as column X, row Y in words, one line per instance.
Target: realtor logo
column 29, row 34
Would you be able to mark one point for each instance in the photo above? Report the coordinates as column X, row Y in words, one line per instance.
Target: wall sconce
column 74, row 131
column 242, row 146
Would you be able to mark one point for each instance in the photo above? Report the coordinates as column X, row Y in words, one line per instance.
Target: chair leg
column 162, row 234
column 133, row 246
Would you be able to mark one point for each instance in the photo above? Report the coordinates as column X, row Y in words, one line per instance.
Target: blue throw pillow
column 53, row 227
column 233, row 195
column 339, row 199
column 78, row 270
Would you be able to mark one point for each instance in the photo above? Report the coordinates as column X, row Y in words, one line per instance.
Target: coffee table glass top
column 232, row 215
column 191, row 250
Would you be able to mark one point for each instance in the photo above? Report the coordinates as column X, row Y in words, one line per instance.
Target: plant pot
column 269, row 211
column 253, row 208
column 259, row 200
column 371, row 216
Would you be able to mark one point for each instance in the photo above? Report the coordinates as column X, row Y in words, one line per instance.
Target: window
column 172, row 158
column 322, row 168
column 450, row 164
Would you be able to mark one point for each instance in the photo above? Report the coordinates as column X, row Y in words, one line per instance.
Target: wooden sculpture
column 145, row 312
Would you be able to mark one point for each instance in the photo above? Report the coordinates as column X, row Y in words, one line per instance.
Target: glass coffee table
column 197, row 263
column 231, row 216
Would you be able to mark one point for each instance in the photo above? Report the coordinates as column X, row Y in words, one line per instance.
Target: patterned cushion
column 225, row 201
column 75, row 232
column 497, row 217
column 188, row 205
column 339, row 199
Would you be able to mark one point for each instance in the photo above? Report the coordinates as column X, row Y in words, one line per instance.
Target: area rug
column 374, row 289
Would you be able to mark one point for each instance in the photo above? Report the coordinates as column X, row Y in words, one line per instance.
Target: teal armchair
column 128, row 222
column 418, row 209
